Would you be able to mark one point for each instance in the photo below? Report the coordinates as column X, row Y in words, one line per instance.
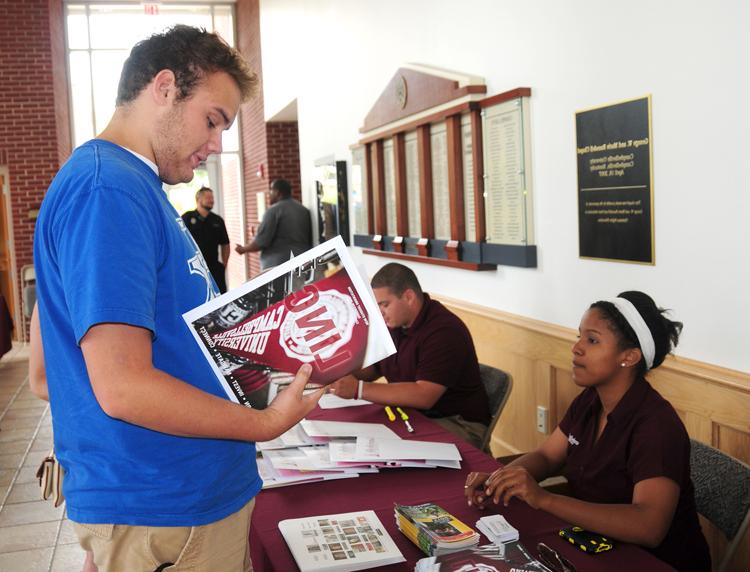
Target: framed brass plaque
column 615, row 190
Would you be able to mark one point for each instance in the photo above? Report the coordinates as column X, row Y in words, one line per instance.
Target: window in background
column 99, row 39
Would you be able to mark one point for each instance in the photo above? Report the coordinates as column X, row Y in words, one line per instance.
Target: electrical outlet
column 542, row 419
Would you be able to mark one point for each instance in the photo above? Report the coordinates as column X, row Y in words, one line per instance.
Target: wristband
column 360, row 386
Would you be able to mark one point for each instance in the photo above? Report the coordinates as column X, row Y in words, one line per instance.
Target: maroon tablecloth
column 444, row 487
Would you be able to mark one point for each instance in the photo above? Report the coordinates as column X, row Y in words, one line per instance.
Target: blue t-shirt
column 110, row 248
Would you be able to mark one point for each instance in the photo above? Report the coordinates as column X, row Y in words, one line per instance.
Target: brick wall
column 35, row 123
column 252, row 123
column 33, row 111
column 232, row 199
column 282, row 143
column 273, row 145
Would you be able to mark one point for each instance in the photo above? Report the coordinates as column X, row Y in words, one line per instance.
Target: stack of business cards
column 497, row 529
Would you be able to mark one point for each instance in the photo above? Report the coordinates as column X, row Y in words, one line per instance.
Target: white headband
column 636, row 321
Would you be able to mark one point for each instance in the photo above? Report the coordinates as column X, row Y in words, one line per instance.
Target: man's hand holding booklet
column 314, row 309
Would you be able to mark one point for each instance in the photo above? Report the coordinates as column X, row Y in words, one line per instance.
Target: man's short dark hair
column 203, row 190
column 398, row 278
column 283, row 186
column 191, row 54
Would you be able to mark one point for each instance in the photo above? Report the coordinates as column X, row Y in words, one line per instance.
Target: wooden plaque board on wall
column 426, row 165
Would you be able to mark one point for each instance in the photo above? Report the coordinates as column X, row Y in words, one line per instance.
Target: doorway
column 6, row 248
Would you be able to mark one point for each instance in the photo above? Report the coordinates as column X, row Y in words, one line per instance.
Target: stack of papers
column 497, row 529
column 434, row 530
column 323, row 450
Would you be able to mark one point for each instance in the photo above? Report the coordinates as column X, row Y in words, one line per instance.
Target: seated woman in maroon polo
column 625, row 451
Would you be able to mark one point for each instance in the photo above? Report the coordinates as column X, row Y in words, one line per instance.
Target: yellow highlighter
column 389, row 413
column 405, row 419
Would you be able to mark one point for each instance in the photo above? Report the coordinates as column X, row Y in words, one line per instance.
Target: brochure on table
column 340, row 542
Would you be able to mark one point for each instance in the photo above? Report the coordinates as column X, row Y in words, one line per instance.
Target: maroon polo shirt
column 643, row 438
column 438, row 348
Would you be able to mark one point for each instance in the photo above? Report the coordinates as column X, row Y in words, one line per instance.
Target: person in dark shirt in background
column 210, row 233
column 285, row 231
column 435, row 366
column 625, row 450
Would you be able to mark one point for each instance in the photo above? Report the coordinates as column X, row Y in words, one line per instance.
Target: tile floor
column 34, row 536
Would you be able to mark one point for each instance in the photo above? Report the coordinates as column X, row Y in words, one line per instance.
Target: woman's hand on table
column 474, row 489
column 502, row 485
column 514, row 481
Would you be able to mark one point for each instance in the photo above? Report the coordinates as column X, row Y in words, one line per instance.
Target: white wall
column 336, row 56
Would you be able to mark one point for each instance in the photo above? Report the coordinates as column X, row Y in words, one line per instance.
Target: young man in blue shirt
column 159, row 466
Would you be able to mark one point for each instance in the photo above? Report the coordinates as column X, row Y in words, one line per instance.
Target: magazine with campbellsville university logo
column 313, row 309
column 507, row 557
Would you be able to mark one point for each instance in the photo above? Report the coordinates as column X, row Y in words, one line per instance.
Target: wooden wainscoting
column 713, row 402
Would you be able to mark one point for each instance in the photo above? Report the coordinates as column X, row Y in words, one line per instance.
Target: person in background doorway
column 210, row 233
column 285, row 231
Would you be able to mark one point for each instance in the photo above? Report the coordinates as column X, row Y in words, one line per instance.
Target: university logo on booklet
column 330, row 317
column 313, row 309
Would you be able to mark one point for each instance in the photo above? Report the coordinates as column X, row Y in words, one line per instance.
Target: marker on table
column 405, row 419
column 389, row 413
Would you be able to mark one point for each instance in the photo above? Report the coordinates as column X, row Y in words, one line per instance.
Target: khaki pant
column 221, row 545
column 470, row 431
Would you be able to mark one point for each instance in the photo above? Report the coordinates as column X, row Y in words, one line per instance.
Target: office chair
column 497, row 384
column 722, row 494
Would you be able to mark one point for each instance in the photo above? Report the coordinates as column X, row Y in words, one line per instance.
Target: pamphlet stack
column 434, row 530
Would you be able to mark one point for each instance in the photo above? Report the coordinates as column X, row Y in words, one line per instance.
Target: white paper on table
column 273, row 478
column 417, row 450
column 289, row 459
column 347, row 429
column 287, row 482
column 342, row 450
column 368, row 449
column 320, row 458
column 292, row 482
column 331, row 401
column 445, row 463
column 295, row 437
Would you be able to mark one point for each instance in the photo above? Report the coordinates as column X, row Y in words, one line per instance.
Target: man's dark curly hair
column 191, row 54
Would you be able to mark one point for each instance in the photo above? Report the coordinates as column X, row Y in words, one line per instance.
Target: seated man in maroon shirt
column 435, row 366
column 625, row 450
